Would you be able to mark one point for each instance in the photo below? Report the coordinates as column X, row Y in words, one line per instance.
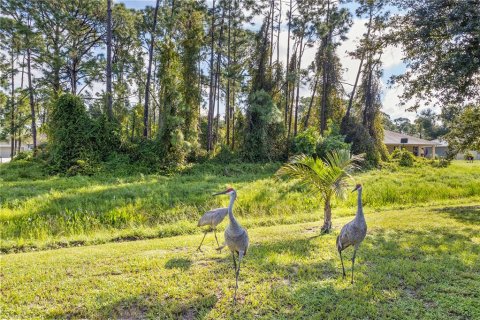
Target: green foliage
column 464, row 132
column 407, row 159
column 71, row 134
column 24, row 155
column 306, row 142
column 263, row 129
column 404, row 157
column 363, row 143
column 332, row 141
column 468, row 156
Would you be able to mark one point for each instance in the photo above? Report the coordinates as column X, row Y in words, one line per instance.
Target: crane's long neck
column 359, row 204
column 233, row 221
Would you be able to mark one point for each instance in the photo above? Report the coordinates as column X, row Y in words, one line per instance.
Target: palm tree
column 328, row 176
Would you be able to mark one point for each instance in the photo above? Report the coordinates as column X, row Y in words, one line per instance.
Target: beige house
column 417, row 146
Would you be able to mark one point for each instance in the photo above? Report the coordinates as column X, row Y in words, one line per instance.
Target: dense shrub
column 78, row 143
column 71, row 133
column 263, row 130
column 332, row 141
column 306, row 142
column 23, row 155
column 407, row 159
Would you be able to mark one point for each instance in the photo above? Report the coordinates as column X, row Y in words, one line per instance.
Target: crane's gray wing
column 213, row 217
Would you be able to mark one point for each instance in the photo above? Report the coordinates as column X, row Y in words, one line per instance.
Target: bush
column 81, row 167
column 23, row 155
column 306, row 142
column 468, row 156
column 407, row 159
column 71, row 133
column 441, row 163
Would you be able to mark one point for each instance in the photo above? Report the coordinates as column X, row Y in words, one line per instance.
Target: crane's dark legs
column 199, row 247
column 215, row 233
column 353, row 260
column 343, row 267
column 237, row 272
column 234, row 262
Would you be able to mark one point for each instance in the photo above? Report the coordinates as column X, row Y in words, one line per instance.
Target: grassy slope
column 39, row 211
column 417, row 263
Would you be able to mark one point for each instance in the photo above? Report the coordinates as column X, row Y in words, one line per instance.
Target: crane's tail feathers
column 339, row 244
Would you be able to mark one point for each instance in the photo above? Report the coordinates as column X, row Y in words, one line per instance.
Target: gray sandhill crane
column 213, row 218
column 353, row 233
column 236, row 238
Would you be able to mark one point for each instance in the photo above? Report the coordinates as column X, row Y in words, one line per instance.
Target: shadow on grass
column 179, row 263
column 154, row 307
column 465, row 214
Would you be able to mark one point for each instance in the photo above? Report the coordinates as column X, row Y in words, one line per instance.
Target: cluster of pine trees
column 185, row 79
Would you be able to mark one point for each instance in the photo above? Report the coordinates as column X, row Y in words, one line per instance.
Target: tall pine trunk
column 149, row 72
column 109, row 60
column 211, row 102
column 287, row 91
column 32, row 102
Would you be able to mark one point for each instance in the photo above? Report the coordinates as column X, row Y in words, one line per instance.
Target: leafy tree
column 327, row 176
column 441, row 45
column 464, row 131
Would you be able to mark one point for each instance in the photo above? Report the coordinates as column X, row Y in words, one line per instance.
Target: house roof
column 395, row 138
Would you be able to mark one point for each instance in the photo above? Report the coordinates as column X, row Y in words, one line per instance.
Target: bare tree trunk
column 227, row 106
column 288, row 63
column 109, row 60
column 218, row 75
column 32, row 102
column 307, row 118
column 12, row 105
column 325, row 75
column 352, row 95
column 278, row 32
column 271, row 32
column 149, row 72
column 299, row 65
column 211, row 103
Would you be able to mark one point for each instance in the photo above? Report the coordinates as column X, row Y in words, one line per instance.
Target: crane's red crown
column 229, row 189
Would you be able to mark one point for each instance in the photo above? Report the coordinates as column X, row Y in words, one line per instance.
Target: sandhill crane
column 213, row 218
column 236, row 238
column 353, row 232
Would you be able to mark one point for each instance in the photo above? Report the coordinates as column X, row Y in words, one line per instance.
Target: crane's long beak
column 356, row 188
column 219, row 193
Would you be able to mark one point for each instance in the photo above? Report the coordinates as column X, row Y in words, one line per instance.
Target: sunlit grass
column 417, row 263
column 41, row 211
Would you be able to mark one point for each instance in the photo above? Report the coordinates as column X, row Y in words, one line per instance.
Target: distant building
column 417, row 146
column 420, row 147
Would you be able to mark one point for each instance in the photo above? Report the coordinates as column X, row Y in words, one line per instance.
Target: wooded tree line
column 188, row 78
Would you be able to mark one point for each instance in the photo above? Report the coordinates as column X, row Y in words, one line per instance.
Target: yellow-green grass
column 415, row 263
column 38, row 211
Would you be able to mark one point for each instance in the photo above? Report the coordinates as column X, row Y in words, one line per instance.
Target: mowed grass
column 38, row 211
column 416, row 263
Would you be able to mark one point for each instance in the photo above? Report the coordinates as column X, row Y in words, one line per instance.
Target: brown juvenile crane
column 236, row 238
column 212, row 219
column 353, row 233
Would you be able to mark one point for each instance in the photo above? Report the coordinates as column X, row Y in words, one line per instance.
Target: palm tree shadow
column 179, row 263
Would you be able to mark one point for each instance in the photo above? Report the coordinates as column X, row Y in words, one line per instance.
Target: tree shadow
column 465, row 214
column 179, row 263
column 147, row 306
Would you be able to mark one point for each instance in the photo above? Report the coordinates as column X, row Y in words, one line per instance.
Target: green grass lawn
column 38, row 211
column 415, row 263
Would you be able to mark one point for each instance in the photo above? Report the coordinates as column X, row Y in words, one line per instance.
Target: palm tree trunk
column 327, row 217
